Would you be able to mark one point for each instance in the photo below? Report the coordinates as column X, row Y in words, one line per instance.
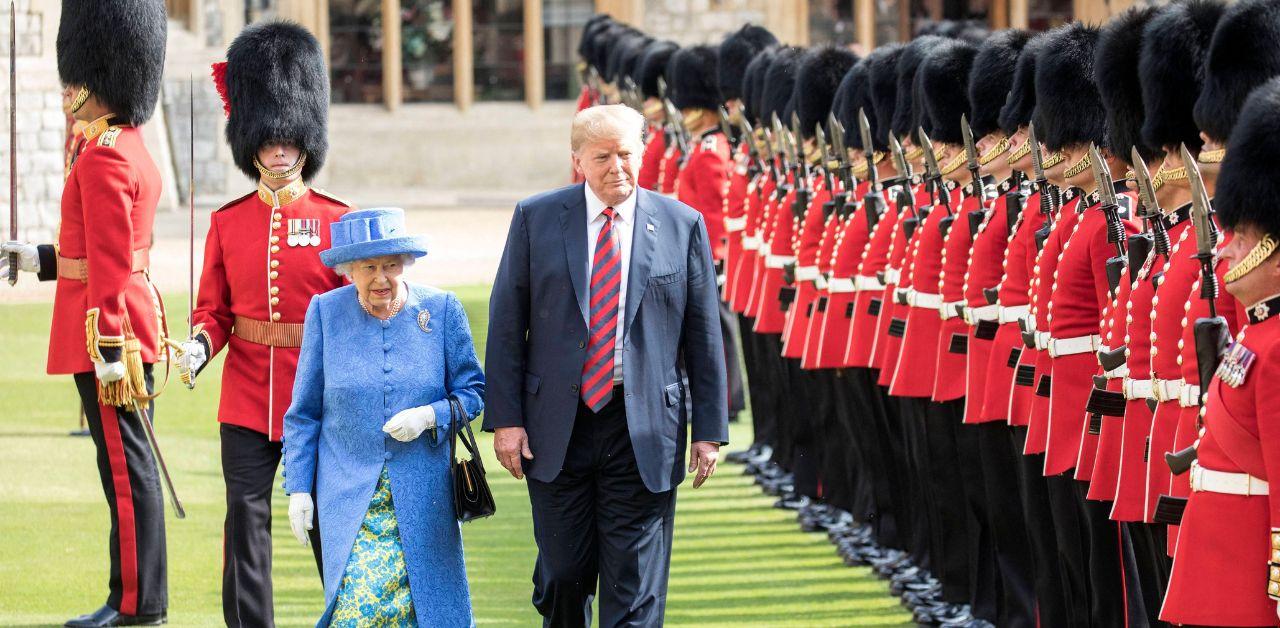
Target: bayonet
column 1150, row 205
column 820, row 140
column 900, row 162
column 934, row 172
column 1111, row 210
column 868, row 149
column 1042, row 185
column 971, row 158
column 726, row 127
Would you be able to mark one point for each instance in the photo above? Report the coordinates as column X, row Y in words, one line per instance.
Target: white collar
column 623, row 211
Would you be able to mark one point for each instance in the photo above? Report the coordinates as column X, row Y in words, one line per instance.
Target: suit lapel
column 573, row 224
column 644, row 238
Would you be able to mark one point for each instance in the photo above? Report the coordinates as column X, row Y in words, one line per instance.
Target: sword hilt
column 13, row 268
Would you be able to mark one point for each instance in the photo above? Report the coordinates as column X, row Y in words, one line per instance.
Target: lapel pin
column 424, row 319
column 650, row 227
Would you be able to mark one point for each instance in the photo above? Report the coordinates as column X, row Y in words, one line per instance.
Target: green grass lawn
column 736, row 561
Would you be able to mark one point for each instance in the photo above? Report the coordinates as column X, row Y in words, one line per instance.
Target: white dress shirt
column 624, row 220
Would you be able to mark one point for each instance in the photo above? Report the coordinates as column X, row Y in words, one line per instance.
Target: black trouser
column 890, row 424
column 1053, row 607
column 597, row 521
column 803, row 424
column 830, row 442
column 1150, row 553
column 863, row 469
column 924, row 539
column 945, row 477
column 985, row 587
column 138, row 581
column 760, row 393
column 1006, row 520
column 249, row 461
column 737, row 391
column 778, row 383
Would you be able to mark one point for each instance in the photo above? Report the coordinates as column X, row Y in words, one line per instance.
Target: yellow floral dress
column 375, row 585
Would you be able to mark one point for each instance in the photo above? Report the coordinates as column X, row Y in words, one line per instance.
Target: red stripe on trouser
column 125, row 525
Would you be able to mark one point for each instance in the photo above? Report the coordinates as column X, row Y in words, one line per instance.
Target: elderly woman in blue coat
column 370, row 417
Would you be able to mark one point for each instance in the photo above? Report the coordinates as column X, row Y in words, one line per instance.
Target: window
column 831, row 22
column 498, row 36
column 562, row 22
column 426, row 48
column 355, row 57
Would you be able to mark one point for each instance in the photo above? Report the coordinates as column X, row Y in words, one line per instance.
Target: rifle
column 905, row 198
column 934, row 175
column 820, row 139
column 840, row 164
column 971, row 158
column 800, row 168
column 1042, row 184
column 726, row 127
column 1111, row 210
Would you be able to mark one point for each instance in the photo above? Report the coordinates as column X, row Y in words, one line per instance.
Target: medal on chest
column 1235, row 364
column 304, row 232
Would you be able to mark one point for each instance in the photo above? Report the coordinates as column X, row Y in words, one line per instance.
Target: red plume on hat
column 220, row 82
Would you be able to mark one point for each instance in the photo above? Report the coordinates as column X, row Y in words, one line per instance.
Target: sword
column 145, row 418
column 13, row 138
column 187, row 379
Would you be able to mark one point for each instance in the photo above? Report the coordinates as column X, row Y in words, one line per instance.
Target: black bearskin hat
column 816, row 82
column 614, row 65
column 115, row 49
column 602, row 45
column 882, row 74
column 1245, row 52
column 653, row 65
column 277, row 88
column 753, row 84
column 907, row 111
column 779, row 82
column 1068, row 108
column 991, row 78
column 1174, row 45
column 629, row 58
column 693, row 78
column 1020, row 106
column 1248, row 192
column 1115, row 70
column 944, row 75
column 593, row 25
column 735, row 52
column 854, row 92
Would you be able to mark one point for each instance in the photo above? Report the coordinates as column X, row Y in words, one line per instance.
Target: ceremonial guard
column 261, row 268
column 651, row 69
column 1230, row 532
column 110, row 60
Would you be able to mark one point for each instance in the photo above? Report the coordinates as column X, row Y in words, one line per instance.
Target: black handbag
column 472, row 498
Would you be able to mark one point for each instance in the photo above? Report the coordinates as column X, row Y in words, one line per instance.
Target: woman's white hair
column 607, row 122
column 344, row 268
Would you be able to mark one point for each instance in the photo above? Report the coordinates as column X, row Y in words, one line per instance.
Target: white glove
column 301, row 515
column 28, row 258
column 409, row 424
column 108, row 372
column 191, row 356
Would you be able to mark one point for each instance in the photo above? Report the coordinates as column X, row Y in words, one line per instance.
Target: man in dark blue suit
column 603, row 308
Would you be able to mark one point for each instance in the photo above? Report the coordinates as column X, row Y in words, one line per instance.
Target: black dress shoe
column 107, row 616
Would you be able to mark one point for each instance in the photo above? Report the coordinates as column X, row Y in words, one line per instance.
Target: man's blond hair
column 607, row 122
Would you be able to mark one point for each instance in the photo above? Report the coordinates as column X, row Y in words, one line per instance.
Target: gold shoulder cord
column 1261, row 251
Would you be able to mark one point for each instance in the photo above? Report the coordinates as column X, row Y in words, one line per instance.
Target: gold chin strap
column 1164, row 176
column 1261, row 251
column 953, row 165
column 287, row 174
column 1212, row 156
column 652, row 110
column 1053, row 160
column 692, row 118
column 915, row 154
column 999, row 149
column 1017, row 155
column 81, row 98
column 1080, row 166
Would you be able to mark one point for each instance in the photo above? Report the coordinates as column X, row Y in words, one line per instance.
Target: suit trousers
column 597, row 523
column 138, row 576
column 249, row 462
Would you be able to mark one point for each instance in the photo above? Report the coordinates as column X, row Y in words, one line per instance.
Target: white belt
column 740, row 169
column 1042, row 339
column 1013, row 313
column 1072, row 346
column 948, row 310
column 751, row 243
column 1209, row 481
column 923, row 299
column 984, row 313
column 1137, row 388
column 892, row 276
column 865, row 283
column 778, row 261
column 1167, row 389
column 840, row 285
column 806, row 273
column 735, row 224
column 820, row 282
column 1189, row 396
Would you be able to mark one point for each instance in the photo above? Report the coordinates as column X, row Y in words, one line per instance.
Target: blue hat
column 370, row 233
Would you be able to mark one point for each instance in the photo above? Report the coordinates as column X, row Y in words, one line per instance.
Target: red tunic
column 850, row 248
column 669, row 171
column 985, row 260
column 822, row 305
column 1106, row 465
column 917, row 361
column 1013, row 297
column 780, row 251
column 808, row 243
column 108, row 207
column 1080, row 292
column 251, row 271
column 1220, row 571
column 651, row 165
column 955, row 342
column 893, row 315
column 865, row 328
column 704, row 185
column 735, row 223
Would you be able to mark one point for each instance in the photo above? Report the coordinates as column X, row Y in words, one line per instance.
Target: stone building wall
column 211, row 166
column 701, row 21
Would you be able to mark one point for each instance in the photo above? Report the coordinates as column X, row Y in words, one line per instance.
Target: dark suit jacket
column 671, row 329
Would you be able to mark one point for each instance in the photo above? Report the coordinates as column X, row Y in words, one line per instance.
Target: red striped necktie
column 606, row 282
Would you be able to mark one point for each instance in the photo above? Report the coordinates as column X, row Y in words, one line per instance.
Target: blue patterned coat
column 354, row 373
